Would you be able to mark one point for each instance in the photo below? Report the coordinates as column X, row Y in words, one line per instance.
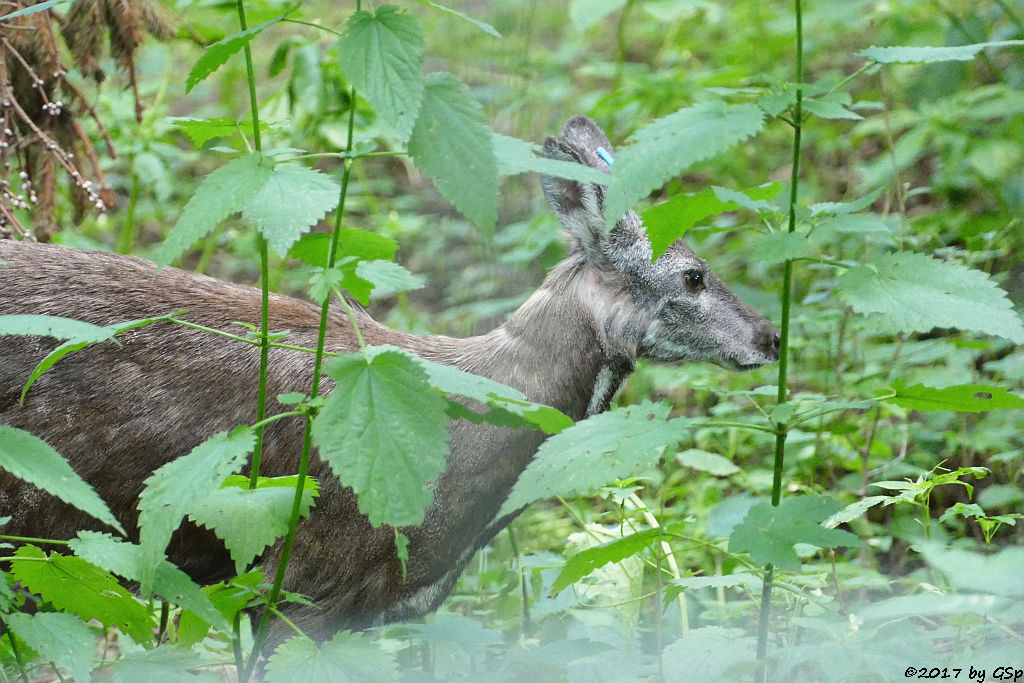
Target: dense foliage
column 852, row 514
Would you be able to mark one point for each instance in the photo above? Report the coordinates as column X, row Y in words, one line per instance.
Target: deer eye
column 694, row 280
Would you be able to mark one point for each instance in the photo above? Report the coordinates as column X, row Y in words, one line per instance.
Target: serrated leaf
column 381, row 53
column 217, row 54
column 228, row 599
column 73, row 585
column 345, row 658
column 249, row 520
column 452, row 145
column 200, row 131
column 778, row 247
column 968, row 398
column 853, row 511
column 164, row 664
column 31, row 459
column 388, row 278
column 711, row 463
column 923, row 55
column 384, row 432
column 840, row 208
column 769, row 533
column 291, row 200
column 451, row 380
column 750, row 582
column 175, row 489
column 94, row 335
column 222, row 193
column 586, row 561
column 671, row 144
column 61, row 638
column 854, row 223
column 829, row 108
column 362, row 244
column 127, row 561
column 668, row 221
column 515, row 156
column 916, row 293
column 51, row 326
column 595, row 451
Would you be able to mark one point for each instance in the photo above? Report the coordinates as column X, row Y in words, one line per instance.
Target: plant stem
column 307, row 442
column 782, row 429
column 264, row 340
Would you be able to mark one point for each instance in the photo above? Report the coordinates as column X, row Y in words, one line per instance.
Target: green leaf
column 41, row 7
column 381, row 53
column 969, row 571
column 228, row 598
column 923, row 55
column 451, row 144
column 916, row 293
column 778, row 247
column 451, row 380
column 388, row 278
column 363, row 244
column 249, row 520
column 164, row 664
column 831, row 106
column 94, row 335
column 60, row 638
column 711, row 463
column 73, row 585
column 855, row 223
column 515, row 156
column 51, row 326
column 485, row 27
column 584, row 562
column 585, row 13
column 751, row 582
column 178, row 487
column 669, row 220
column 968, row 398
column 127, row 560
column 217, row 54
column 595, row 451
column 839, row 208
column 291, row 199
column 384, row 432
column 200, row 131
column 31, row 459
column 670, row 145
column 345, row 658
column 769, row 533
column 224, row 192
column 853, row 511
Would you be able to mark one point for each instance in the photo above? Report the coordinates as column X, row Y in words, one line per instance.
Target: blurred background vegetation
column 942, row 143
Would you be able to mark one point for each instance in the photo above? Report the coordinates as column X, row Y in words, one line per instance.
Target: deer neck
column 565, row 346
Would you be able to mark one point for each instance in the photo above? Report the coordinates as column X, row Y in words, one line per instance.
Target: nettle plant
column 380, row 52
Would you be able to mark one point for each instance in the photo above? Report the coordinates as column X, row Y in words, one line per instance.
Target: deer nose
column 776, row 343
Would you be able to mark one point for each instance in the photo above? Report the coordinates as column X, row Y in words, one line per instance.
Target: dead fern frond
column 41, row 139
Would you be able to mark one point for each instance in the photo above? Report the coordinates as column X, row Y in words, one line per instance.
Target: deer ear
column 579, row 205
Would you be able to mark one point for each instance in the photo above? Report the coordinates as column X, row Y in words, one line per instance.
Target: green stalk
column 264, row 338
column 307, row 443
column 782, row 429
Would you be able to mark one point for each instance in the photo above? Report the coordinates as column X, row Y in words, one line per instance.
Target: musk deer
column 119, row 411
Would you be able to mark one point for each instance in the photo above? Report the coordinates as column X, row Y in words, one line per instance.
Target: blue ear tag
column 603, row 153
